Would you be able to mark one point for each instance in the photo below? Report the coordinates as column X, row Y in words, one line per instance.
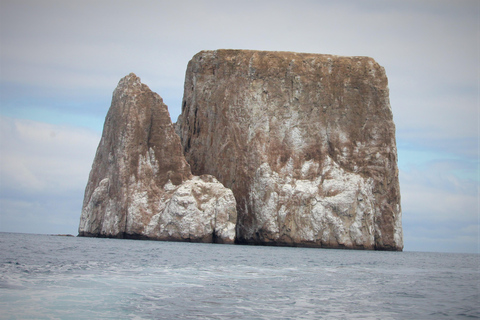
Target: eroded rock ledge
column 303, row 147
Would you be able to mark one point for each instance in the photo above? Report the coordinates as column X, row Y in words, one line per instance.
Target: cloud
column 440, row 207
column 442, row 237
column 447, row 123
column 41, row 157
column 90, row 45
column 44, row 170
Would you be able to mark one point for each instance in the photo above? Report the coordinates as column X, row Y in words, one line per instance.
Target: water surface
column 50, row 277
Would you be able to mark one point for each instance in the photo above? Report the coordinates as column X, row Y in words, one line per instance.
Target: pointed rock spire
column 141, row 186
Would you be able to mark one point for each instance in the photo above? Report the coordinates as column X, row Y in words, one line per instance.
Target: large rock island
column 305, row 141
column 140, row 185
column 303, row 147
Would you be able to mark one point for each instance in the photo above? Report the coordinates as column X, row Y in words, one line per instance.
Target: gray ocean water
column 51, row 277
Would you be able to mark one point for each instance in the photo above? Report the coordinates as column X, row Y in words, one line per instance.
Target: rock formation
column 141, row 186
column 305, row 141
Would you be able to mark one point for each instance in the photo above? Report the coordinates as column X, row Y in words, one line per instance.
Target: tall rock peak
column 141, row 186
column 305, row 141
column 132, row 85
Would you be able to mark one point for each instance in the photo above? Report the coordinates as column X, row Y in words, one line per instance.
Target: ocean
column 55, row 277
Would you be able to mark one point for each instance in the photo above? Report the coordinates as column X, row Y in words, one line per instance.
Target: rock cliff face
column 141, row 186
column 305, row 141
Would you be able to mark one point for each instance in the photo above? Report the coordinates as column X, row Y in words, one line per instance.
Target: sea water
column 53, row 277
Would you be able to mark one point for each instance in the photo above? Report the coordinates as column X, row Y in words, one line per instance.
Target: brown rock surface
column 141, row 186
column 305, row 141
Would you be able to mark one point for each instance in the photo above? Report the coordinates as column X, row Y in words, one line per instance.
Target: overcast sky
column 61, row 60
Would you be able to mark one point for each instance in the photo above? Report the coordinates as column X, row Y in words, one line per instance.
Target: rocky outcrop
column 141, row 186
column 305, row 141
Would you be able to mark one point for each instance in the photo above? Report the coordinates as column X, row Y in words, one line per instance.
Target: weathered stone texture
column 141, row 186
column 305, row 141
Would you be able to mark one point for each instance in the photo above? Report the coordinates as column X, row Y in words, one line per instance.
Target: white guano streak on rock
column 329, row 205
column 184, row 214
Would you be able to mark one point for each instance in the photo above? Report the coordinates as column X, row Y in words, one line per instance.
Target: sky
column 61, row 60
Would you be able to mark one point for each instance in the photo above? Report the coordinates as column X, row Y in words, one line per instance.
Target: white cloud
column 45, row 158
column 440, row 210
column 43, row 172
column 426, row 47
